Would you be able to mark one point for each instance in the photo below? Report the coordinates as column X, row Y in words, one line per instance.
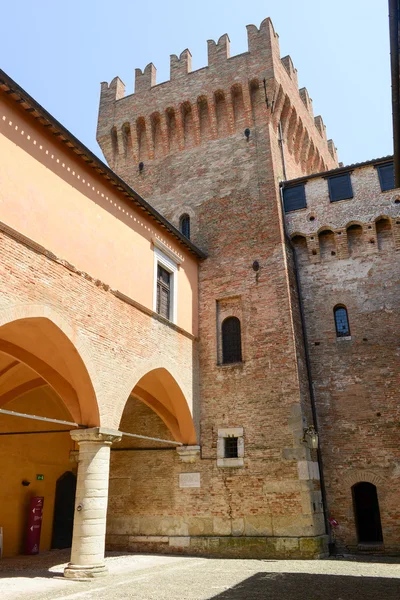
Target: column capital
column 101, row 435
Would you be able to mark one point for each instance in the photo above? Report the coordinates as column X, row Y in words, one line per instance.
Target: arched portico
column 160, row 387
column 42, row 373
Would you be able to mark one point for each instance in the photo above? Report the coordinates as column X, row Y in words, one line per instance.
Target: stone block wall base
column 85, row 572
column 224, row 547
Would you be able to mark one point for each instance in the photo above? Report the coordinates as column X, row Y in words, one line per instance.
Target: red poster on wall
column 35, row 517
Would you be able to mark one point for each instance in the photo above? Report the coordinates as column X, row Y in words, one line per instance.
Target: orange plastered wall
column 51, row 196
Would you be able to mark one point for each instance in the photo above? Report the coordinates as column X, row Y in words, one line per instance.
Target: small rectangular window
column 340, row 187
column 163, row 292
column 386, row 176
column 294, row 198
column 231, row 447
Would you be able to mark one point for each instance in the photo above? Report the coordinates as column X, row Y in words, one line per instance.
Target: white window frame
column 169, row 265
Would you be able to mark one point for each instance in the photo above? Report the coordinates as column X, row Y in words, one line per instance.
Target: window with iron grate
column 184, row 225
column 231, row 341
column 341, row 321
column 231, row 447
column 163, row 292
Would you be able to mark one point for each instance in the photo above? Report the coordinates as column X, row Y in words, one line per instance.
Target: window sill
column 227, row 365
column 230, row 462
column 341, row 200
column 343, row 338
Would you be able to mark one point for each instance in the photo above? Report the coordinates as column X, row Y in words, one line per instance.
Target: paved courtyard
column 151, row 577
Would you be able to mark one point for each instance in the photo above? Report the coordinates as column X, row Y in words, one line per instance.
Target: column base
column 85, row 571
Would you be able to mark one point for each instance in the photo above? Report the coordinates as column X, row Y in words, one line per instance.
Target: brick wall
column 347, row 256
column 189, row 134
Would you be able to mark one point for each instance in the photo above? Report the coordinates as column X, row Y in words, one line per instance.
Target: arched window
column 231, row 341
column 341, row 321
column 184, row 225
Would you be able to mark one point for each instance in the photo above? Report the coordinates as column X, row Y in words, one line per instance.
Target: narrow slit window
column 184, row 225
column 163, row 292
column 341, row 321
column 231, row 341
column 231, row 447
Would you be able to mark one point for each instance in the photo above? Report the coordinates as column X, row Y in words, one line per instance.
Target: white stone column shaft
column 88, row 540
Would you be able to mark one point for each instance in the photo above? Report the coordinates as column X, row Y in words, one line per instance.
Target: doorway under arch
column 367, row 514
column 42, row 374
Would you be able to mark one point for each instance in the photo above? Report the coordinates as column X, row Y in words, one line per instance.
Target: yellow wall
column 54, row 198
column 25, row 456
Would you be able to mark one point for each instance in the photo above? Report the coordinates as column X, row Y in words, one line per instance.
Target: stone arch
column 32, row 334
column 162, row 389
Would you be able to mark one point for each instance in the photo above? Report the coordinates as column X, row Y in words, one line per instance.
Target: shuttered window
column 163, row 292
column 184, row 223
column 294, row 198
column 386, row 177
column 340, row 187
column 341, row 321
column 231, row 341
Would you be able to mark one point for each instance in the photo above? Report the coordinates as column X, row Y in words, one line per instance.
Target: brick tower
column 213, row 144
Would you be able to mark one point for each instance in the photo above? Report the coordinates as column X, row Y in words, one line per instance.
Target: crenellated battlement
column 227, row 96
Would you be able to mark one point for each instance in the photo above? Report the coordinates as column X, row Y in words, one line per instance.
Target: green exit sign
column 40, row 477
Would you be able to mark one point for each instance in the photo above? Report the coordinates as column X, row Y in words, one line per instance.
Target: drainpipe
column 394, row 16
column 308, row 363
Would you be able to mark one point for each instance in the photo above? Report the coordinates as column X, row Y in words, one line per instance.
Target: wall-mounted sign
column 189, row 480
column 35, row 516
column 40, row 477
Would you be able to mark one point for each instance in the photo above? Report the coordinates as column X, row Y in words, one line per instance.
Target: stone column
column 88, row 541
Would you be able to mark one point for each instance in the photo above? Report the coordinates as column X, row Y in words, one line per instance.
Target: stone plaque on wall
column 189, row 480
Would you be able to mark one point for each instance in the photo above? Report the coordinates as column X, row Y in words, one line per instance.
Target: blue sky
column 61, row 51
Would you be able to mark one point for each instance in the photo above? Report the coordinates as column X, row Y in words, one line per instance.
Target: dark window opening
column 341, row 322
column 340, row 187
column 366, row 512
column 231, row 341
column 163, row 292
column 386, row 177
column 184, row 225
column 231, row 447
column 294, row 198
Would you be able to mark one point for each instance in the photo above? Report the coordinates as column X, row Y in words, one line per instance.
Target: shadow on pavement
column 35, row 566
column 301, row 586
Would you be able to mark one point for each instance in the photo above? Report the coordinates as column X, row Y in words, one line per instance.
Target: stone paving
column 151, row 577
